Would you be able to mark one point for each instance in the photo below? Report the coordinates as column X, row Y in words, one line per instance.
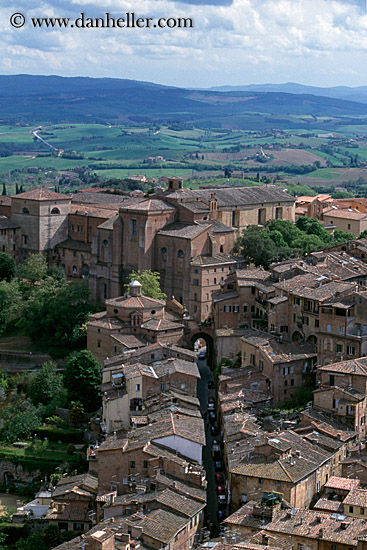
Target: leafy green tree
column 35, row 541
column 82, row 380
column 363, row 235
column 343, row 236
column 20, row 424
column 308, row 243
column 255, row 245
column 76, row 414
column 150, row 283
column 11, row 303
column 312, row 226
column 7, row 266
column 52, row 536
column 47, row 388
column 286, row 228
column 55, row 312
column 34, row 268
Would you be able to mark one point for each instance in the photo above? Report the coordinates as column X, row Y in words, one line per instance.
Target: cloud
column 233, row 41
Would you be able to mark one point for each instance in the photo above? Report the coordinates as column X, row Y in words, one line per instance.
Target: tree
column 20, row 424
column 34, row 268
column 363, row 235
column 47, row 387
column 343, row 236
column 312, row 226
column 150, row 283
column 7, row 266
column 55, row 312
column 255, row 245
column 4, row 189
column 52, row 536
column 11, row 304
column 76, row 414
column 82, row 380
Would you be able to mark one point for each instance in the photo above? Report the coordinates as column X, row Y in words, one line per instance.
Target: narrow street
column 203, row 394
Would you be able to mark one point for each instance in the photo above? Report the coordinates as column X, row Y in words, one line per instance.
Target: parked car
column 219, row 479
column 221, row 490
column 212, row 417
column 211, row 384
column 214, row 430
column 211, row 407
column 218, row 465
column 215, row 443
column 211, row 399
column 216, row 453
column 202, row 354
column 221, row 515
column 222, row 501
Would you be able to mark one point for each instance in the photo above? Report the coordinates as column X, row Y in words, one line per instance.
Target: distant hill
column 34, row 99
column 337, row 92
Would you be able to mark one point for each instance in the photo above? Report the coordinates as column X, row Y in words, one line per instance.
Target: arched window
column 180, row 254
column 221, row 248
column 25, row 210
column 55, row 211
column 163, row 250
column 105, row 242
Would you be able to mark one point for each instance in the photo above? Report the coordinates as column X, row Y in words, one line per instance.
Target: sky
column 232, row 42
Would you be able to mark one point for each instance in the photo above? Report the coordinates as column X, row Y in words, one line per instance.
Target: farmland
column 199, row 155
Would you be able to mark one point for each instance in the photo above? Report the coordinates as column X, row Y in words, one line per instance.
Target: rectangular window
column 98, row 343
column 244, row 309
column 339, row 348
column 236, row 309
column 292, row 381
column 351, row 350
column 145, row 464
column 328, row 328
column 227, row 309
column 195, row 297
column 132, row 463
column 215, row 281
column 137, row 387
column 351, row 509
column 134, row 227
column 261, row 364
column 196, row 282
column 317, row 324
column 252, row 359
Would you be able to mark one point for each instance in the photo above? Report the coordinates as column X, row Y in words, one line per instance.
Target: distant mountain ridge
column 29, row 99
column 347, row 93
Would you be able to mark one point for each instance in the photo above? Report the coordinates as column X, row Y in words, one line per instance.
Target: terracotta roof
column 129, row 341
column 333, row 506
column 353, row 366
column 149, row 204
column 70, row 511
column 184, row 230
column 292, row 469
column 356, row 497
column 161, row 324
column 135, row 302
column 93, row 211
column 345, row 214
column 42, row 194
column 5, row 223
column 181, row 487
column 318, row 525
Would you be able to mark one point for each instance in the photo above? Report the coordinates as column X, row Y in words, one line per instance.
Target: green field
column 120, row 151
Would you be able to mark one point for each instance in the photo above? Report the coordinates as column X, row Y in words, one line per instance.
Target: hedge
column 58, row 434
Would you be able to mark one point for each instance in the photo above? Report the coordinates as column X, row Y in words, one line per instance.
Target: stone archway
column 209, row 347
column 297, row 336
